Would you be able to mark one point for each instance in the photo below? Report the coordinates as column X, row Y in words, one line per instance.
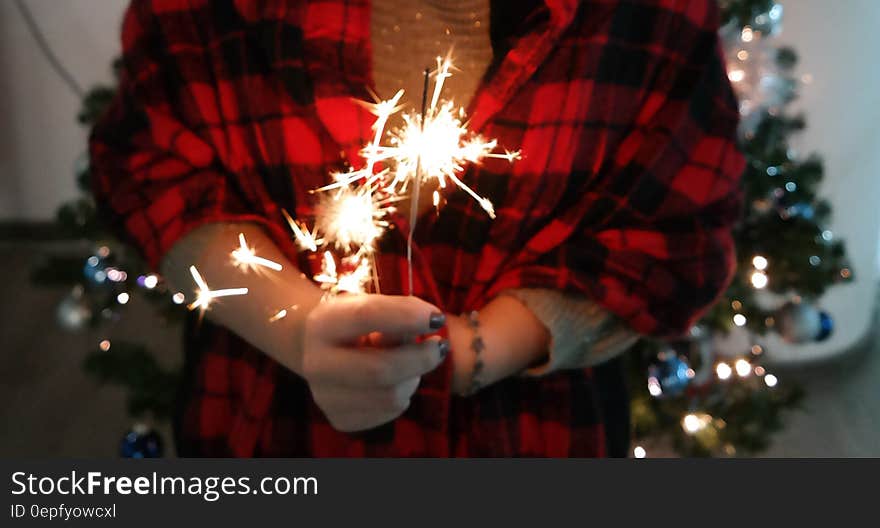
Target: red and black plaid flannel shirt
column 626, row 193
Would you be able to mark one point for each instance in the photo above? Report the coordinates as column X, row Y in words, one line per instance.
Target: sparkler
column 433, row 145
column 205, row 295
column 245, row 258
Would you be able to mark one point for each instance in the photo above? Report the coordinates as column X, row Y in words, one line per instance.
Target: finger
column 354, row 316
column 380, row 367
column 350, row 400
column 361, row 421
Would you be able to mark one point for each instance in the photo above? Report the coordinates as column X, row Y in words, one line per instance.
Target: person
column 615, row 223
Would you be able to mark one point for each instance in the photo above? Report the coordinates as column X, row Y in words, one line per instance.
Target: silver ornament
column 73, row 312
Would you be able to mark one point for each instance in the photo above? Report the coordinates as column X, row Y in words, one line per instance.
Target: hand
column 361, row 359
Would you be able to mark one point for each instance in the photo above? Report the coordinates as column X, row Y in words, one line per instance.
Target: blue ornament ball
column 669, row 375
column 95, row 270
column 827, row 325
column 803, row 210
column 141, row 442
column 770, row 21
column 801, row 322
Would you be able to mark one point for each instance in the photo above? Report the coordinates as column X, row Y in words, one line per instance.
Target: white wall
column 40, row 141
column 39, row 137
column 837, row 43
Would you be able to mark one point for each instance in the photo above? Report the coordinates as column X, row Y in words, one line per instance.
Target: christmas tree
column 706, row 401
column 685, row 393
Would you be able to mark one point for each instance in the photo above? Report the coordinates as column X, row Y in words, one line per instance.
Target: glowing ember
column 307, row 240
column 245, row 258
column 205, row 295
column 354, row 281
column 353, row 219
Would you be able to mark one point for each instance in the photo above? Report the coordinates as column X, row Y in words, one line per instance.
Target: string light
column 151, row 281
column 122, row 298
column 723, row 371
column 694, row 423
column 654, row 388
column 747, row 34
column 739, row 320
column 760, row 263
column 178, row 298
column 770, row 380
column 245, row 258
column 759, row 280
column 104, row 345
column 759, row 371
column 639, row 452
column 116, row 275
column 205, row 295
column 736, row 75
column 743, row 368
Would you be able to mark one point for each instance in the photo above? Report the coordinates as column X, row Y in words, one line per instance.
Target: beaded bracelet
column 477, row 346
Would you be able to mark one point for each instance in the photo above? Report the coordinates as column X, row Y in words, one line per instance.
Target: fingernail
column 437, row 320
column 444, row 348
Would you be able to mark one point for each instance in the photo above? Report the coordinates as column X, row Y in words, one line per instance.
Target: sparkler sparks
column 281, row 314
column 434, row 145
column 307, row 240
column 354, row 281
column 245, row 258
column 438, row 145
column 441, row 147
column 431, row 146
column 205, row 295
column 354, row 218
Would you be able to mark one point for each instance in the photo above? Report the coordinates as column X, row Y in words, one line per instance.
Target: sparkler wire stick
column 414, row 199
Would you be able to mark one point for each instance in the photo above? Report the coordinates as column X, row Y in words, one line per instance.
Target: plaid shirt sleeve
column 648, row 235
column 156, row 177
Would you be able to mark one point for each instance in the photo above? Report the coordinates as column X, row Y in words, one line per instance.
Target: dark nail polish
column 444, row 348
column 437, row 320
